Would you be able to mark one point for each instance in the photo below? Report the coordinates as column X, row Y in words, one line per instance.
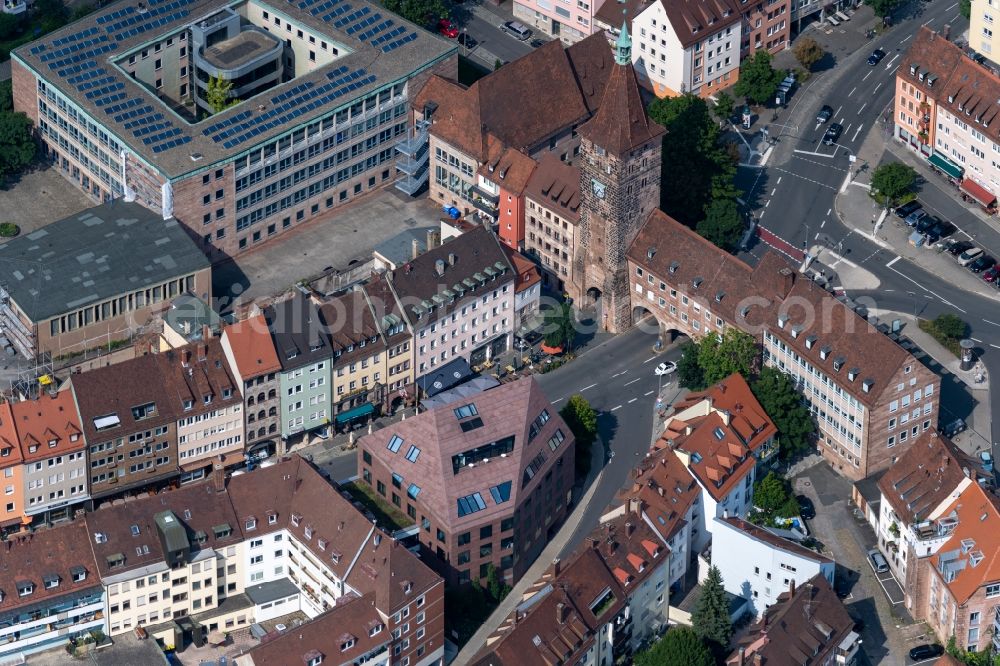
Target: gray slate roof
column 94, row 255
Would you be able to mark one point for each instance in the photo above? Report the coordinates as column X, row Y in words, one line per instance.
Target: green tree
column 582, row 421
column 773, row 498
column 6, row 93
column 710, row 617
column 724, row 105
column 722, row 224
column 50, row 10
column 758, row 79
column 736, row 351
column 883, row 8
column 680, row 646
column 497, row 64
column 560, row 327
column 493, row 583
column 421, row 12
column 10, row 25
column 17, row 146
column 783, row 404
column 691, row 154
column 808, row 52
column 951, row 326
column 81, row 10
column 689, row 373
column 965, row 8
column 893, row 179
column 219, row 94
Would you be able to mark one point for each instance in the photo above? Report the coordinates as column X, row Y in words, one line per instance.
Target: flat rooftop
column 240, row 50
column 377, row 48
column 94, row 255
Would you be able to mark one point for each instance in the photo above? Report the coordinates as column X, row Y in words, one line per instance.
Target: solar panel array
column 75, row 57
column 241, row 127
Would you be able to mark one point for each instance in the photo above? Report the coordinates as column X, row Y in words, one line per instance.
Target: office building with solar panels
column 319, row 96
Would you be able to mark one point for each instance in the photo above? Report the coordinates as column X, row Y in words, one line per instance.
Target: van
column 516, row 30
column 877, row 560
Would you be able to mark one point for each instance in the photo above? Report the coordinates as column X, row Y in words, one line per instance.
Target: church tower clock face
column 599, row 188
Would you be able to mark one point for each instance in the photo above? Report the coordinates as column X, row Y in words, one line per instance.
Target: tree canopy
column 680, row 646
column 582, row 421
column 735, row 352
column 724, row 105
column 421, row 12
column 560, row 325
column 691, row 154
column 722, row 224
column 884, row 7
column 783, row 404
column 951, row 326
column 219, row 94
column 893, row 179
column 758, row 79
column 710, row 617
column 772, row 498
column 808, row 52
column 17, row 146
column 689, row 374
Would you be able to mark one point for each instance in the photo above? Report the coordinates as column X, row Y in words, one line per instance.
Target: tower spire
column 623, row 46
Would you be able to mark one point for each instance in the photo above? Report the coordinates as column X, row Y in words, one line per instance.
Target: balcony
column 485, row 206
column 14, row 7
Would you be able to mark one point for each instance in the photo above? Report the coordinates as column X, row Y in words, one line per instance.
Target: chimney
column 946, row 31
column 439, row 267
column 452, row 258
column 561, row 613
column 758, row 660
column 414, row 248
column 206, row 332
column 218, row 475
column 433, row 239
column 634, row 505
column 202, row 352
column 724, row 414
column 629, row 529
column 742, row 656
column 556, row 566
column 791, row 588
column 595, row 543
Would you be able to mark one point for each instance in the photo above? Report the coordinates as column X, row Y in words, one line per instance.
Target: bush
column 9, row 230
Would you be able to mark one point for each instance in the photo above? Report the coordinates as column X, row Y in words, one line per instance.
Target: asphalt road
column 617, row 379
column 484, row 25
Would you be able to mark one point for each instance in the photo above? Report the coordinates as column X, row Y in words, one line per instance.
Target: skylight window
column 412, row 454
column 395, row 443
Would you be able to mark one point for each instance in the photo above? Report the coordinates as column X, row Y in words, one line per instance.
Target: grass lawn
column 385, row 513
column 951, row 344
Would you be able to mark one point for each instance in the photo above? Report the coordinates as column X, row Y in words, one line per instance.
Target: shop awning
column 355, row 413
column 946, row 165
column 978, row 192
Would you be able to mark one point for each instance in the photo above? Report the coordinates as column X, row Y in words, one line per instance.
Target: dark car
column 914, row 217
column 907, row 208
column 982, row 263
column 824, row 114
column 925, row 223
column 535, row 43
column 940, row 230
column 806, row 508
column 876, row 57
column 926, row 651
column 991, row 275
column 832, row 134
column 468, row 41
column 958, row 247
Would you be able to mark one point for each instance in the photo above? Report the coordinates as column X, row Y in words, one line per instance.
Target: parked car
column 926, row 651
column 983, row 262
column 986, row 458
column 940, row 230
column 517, row 30
column 824, row 114
column 991, row 274
column 914, row 217
column 907, row 208
column 877, row 561
column 956, row 248
column 535, row 43
column 925, row 223
column 832, row 134
column 447, row 28
column 876, row 57
column 969, row 256
column 806, row 508
column 468, row 41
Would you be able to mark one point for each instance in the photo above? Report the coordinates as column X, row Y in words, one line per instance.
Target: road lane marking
column 876, row 88
column 867, row 75
column 648, row 360
column 773, row 191
column 943, row 300
column 768, row 203
column 816, row 237
column 837, row 112
column 856, row 133
column 829, row 210
column 905, row 39
column 812, row 152
column 926, row 23
column 975, row 339
column 852, row 91
column 633, row 381
column 889, row 66
column 779, row 181
column 632, row 400
column 994, row 346
column 588, row 387
column 616, row 408
column 559, row 400
column 889, row 265
column 822, row 224
column 951, row 7
column 991, row 322
column 648, row 393
column 862, row 108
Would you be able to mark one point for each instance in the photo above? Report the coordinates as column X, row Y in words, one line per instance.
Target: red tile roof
column 976, row 537
column 666, row 490
column 621, row 124
column 196, row 372
column 48, row 426
column 556, row 185
column 508, row 167
column 527, row 272
column 746, row 417
column 693, row 20
column 252, row 347
column 10, row 451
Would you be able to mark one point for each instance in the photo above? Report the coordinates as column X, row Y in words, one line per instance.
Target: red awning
column 978, row 192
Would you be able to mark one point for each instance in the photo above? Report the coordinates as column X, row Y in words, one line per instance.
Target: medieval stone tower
column 620, row 185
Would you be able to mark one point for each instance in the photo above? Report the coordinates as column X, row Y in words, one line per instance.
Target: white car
column 665, row 368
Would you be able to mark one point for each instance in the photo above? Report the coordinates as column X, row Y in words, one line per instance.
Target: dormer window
column 810, row 341
column 32, row 448
column 52, row 443
column 867, row 385
column 309, row 531
column 852, row 374
column 188, row 404
column 25, row 588
column 74, row 437
column 207, row 399
column 782, row 320
column 79, row 574
column 824, row 353
column 796, row 330
column 322, row 543
column 51, row 581
column 227, row 393
column 272, row 518
column 296, row 519
column 251, row 523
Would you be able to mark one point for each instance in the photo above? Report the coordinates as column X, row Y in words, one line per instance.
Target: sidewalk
column 525, row 587
column 858, row 211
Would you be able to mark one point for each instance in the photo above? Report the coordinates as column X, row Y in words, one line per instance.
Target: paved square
column 39, row 197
